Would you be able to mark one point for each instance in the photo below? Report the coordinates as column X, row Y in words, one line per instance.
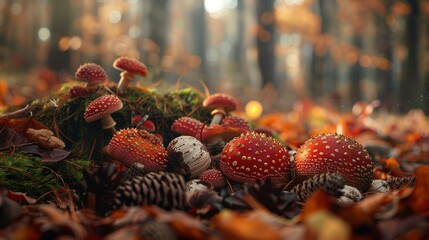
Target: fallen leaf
column 419, row 199
column 20, row 197
column 56, row 155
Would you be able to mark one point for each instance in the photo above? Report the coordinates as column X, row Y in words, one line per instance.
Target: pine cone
column 332, row 183
column 136, row 169
column 280, row 202
column 399, row 182
column 166, row 190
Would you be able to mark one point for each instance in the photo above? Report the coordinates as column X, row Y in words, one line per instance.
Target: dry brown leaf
column 238, row 226
column 419, row 199
column 319, row 200
column 45, row 138
column 324, row 225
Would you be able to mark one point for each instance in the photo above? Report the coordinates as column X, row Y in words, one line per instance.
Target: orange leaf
column 419, row 199
column 319, row 200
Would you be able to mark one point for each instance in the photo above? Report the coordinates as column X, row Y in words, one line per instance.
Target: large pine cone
column 166, row 190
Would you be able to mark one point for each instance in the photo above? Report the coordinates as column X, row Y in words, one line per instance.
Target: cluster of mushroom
column 225, row 149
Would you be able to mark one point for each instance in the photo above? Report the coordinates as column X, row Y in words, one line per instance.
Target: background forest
column 333, row 51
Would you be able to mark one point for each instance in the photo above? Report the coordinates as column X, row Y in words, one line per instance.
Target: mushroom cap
column 220, row 100
column 131, row 65
column 254, row 156
column 213, row 176
column 234, row 121
column 188, row 156
column 131, row 145
column 216, row 131
column 101, row 107
column 91, row 73
column 77, row 91
column 334, row 152
column 187, row 126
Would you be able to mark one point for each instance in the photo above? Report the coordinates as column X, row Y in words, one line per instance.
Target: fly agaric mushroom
column 77, row 91
column 187, row 156
column 213, row 176
column 131, row 145
column 234, row 121
column 254, row 156
column 101, row 108
column 187, row 126
column 334, row 152
column 143, row 123
column 214, row 133
column 220, row 104
column 129, row 67
column 91, row 73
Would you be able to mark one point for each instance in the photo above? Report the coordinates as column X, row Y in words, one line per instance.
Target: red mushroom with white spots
column 254, row 156
column 131, row 145
column 129, row 67
column 187, row 156
column 101, row 108
column 77, row 91
column 213, row 176
column 220, row 104
column 143, row 123
column 334, row 152
column 187, row 126
column 215, row 133
column 91, row 73
column 237, row 122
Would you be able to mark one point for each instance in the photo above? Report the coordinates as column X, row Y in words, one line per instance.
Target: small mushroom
column 188, row 156
column 187, row 126
column 77, row 91
column 91, row 73
column 220, row 104
column 131, row 145
column 215, row 133
column 254, row 156
column 237, row 122
column 213, row 176
column 129, row 67
column 101, row 108
column 143, row 123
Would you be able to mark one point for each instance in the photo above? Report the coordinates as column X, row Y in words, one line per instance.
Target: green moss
column 87, row 139
column 27, row 173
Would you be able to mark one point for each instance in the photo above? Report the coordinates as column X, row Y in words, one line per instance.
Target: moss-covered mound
column 65, row 116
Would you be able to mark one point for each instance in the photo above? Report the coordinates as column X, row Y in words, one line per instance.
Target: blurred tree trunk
column 60, row 26
column 425, row 52
column 384, row 48
column 266, row 41
column 410, row 79
column 323, row 72
column 158, row 19
column 4, row 29
column 198, row 26
column 355, row 73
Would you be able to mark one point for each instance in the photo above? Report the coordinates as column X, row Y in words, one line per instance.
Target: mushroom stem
column 126, row 77
column 108, row 123
column 218, row 115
